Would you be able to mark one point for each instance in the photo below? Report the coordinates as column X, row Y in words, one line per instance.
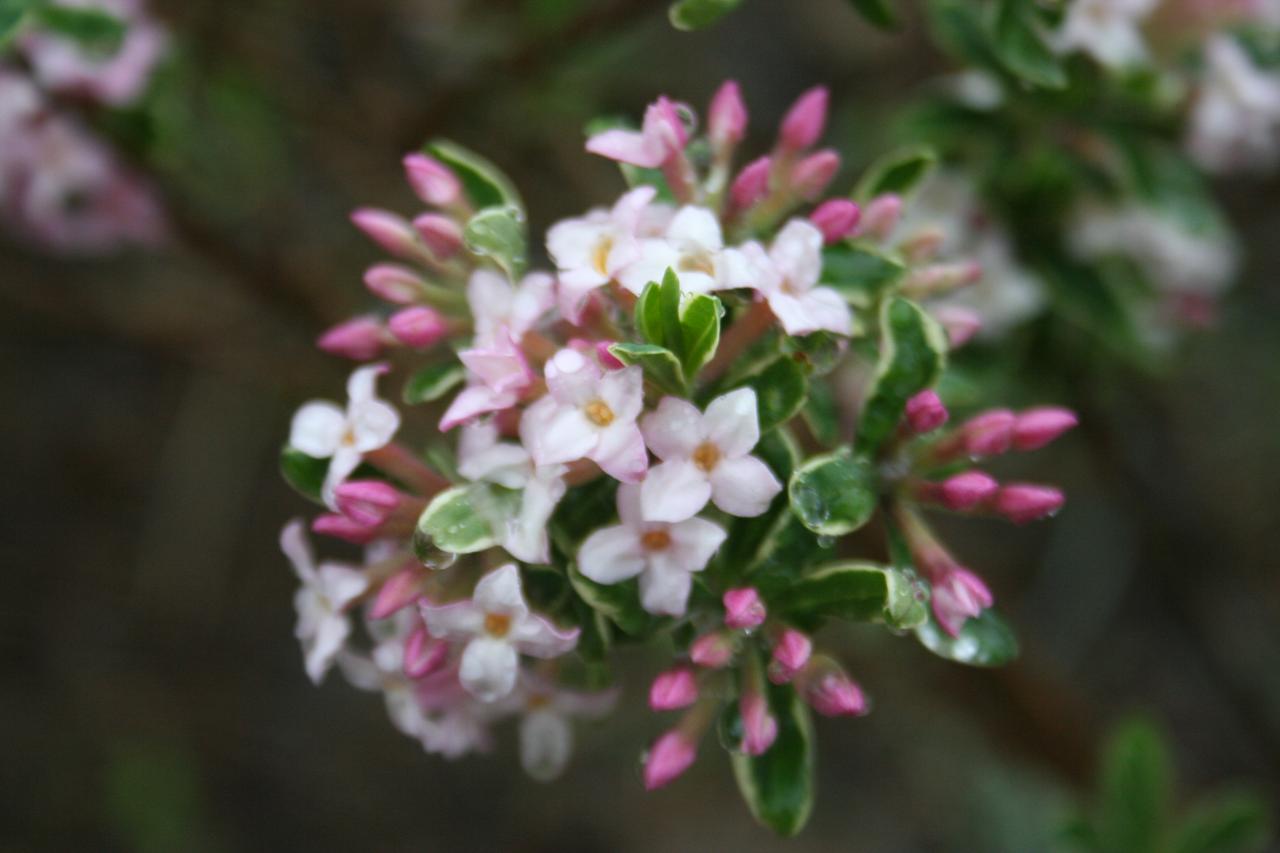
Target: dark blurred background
column 154, row 696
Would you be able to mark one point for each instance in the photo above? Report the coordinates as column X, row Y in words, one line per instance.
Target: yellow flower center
column 697, row 262
column 497, row 624
column 706, row 457
column 656, row 540
column 599, row 413
column 600, row 257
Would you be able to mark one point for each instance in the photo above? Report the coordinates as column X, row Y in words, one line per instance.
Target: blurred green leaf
column 696, row 14
column 455, row 522
column 984, row 640
column 498, row 233
column 619, row 602
column 1136, row 790
column 433, row 382
column 781, row 388
column 484, row 183
column 778, row 786
column 878, row 12
column 659, row 363
column 913, row 351
column 1232, row 823
column 861, row 592
column 305, row 473
column 835, row 493
column 859, row 272
column 95, row 29
column 1021, row 47
column 898, row 172
column 11, row 15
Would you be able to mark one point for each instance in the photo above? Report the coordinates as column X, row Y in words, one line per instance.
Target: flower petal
column 555, row 434
column 623, row 391
column 665, row 591
column 546, row 742
column 361, row 386
column 341, row 585
column 323, row 646
column 732, row 422
column 674, row 429
column 488, row 668
column 694, row 542
column 797, row 254
column 500, row 592
column 539, row 638
column 611, row 555
column 744, row 486
column 621, row 452
column 345, row 460
column 627, row 146
column 572, row 378
column 458, row 621
column 317, row 429
column 296, row 546
column 674, row 491
column 373, row 423
column 697, row 226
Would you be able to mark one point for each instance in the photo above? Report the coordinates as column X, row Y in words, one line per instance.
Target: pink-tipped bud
column 836, row 218
column 674, row 689
column 360, row 339
column 418, row 327
column 712, row 650
column 398, row 592
column 366, row 502
column 937, row 279
column 434, row 182
column 670, row 755
column 394, row 283
column 388, row 230
column 922, row 246
column 966, row 491
column 751, row 184
column 342, row 527
column 990, row 433
column 442, row 234
column 926, row 412
column 607, row 359
column 743, row 609
column 960, row 323
column 759, row 727
column 1037, row 427
column 804, row 122
column 1024, row 502
column 959, row 595
column 814, row 173
column 791, row 652
column 727, row 117
column 881, row 215
column 834, row 694
column 423, row 653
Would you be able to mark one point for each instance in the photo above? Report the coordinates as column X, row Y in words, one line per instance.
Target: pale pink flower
column 588, row 413
column 1108, row 30
column 787, row 276
column 958, row 595
column 496, row 626
column 327, row 590
column 592, row 250
column 497, row 376
column 546, row 734
column 498, row 306
column 692, row 247
column 661, row 138
column 705, row 456
column 1235, row 121
column 665, row 556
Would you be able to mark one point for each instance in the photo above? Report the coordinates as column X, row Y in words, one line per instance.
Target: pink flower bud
column 366, row 502
column 394, row 283
column 673, row 689
column 990, row 433
column 607, row 359
column 791, row 652
column 743, row 609
column 388, row 230
column 961, row 323
column 812, row 174
column 833, row 694
column 1024, row 502
column 759, row 727
column 727, row 117
column 423, row 654
column 712, row 650
column 670, row 755
column 967, row 490
column 1035, row 428
column 926, row 412
column 418, row 327
column 442, row 234
column 936, row 279
column 881, row 215
column 434, row 182
column 399, row 591
column 360, row 339
column 959, row 595
column 805, row 121
column 341, row 527
column 836, row 219
column 751, row 184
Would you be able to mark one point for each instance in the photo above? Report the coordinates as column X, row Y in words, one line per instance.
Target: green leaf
column 984, row 640
column 619, row 602
column 1136, row 783
column 649, row 312
column 696, row 14
column 433, row 382
column 819, row 352
column 821, row 414
column 1020, row 47
column 778, row 786
column 305, row 473
column 861, row 592
column 699, row 331
column 781, row 389
column 860, row 273
column 11, row 15
column 877, row 12
column 93, row 28
column 1232, row 823
column 483, row 182
column 913, row 351
column 498, row 233
column 456, row 522
column 686, row 324
column 897, row 172
column 660, row 364
column 835, row 493
column 583, row 509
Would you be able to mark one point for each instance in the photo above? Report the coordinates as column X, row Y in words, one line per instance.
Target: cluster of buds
column 633, row 448
column 61, row 186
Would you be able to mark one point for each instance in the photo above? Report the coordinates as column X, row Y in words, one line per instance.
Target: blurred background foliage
column 154, row 699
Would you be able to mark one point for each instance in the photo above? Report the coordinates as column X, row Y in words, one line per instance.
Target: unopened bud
column 366, row 502
column 1036, row 427
column 836, row 219
column 966, row 491
column 880, row 216
column 989, row 434
column 743, row 609
column 418, row 327
column 360, row 339
column 673, row 689
column 712, row 650
column 751, row 184
column 814, row 173
column 434, row 182
column 442, row 234
column 960, row 323
column 398, row 592
column 394, row 283
column 388, row 230
column 925, row 412
column 423, row 654
column 759, row 727
column 669, row 757
column 727, row 117
column 831, row 692
column 803, row 124
column 342, row 527
column 791, row 652
column 1024, row 502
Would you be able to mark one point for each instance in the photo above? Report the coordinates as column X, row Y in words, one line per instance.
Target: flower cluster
column 61, row 186
column 667, row 439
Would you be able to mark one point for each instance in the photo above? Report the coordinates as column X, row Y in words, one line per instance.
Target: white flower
column 326, row 591
column 323, row 430
column 787, row 276
column 693, row 248
column 1108, row 30
column 496, row 626
column 497, row 374
column 705, row 457
column 588, row 413
column 382, row 669
column 497, row 305
column 546, row 736
column 590, row 252
column 663, row 555
column 1235, row 122
column 482, row 457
